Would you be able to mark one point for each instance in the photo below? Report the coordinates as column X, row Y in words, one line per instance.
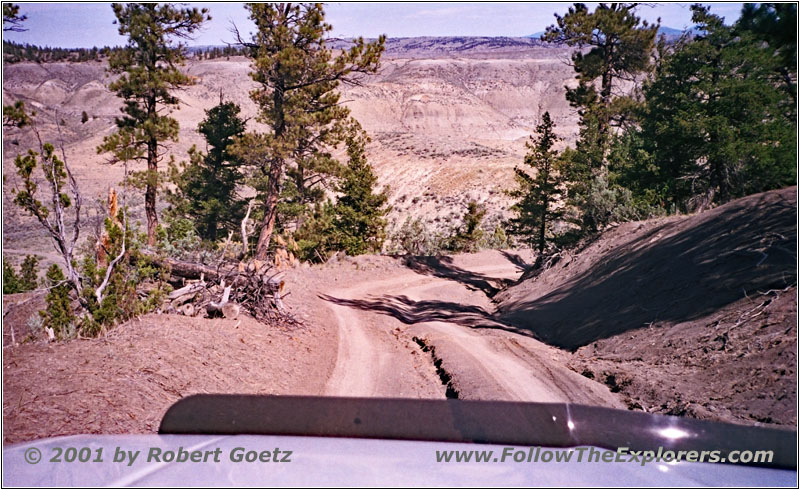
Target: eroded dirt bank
column 688, row 315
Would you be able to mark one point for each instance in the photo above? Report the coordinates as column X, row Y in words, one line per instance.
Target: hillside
column 445, row 129
column 689, row 314
column 694, row 316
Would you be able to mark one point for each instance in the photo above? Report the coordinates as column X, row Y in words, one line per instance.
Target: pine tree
column 536, row 208
column 360, row 223
column 716, row 123
column 12, row 21
column 621, row 46
column 149, row 71
column 775, row 24
column 58, row 314
column 207, row 185
column 27, row 273
column 11, row 282
column 297, row 77
column 15, row 115
column 468, row 237
column 316, row 238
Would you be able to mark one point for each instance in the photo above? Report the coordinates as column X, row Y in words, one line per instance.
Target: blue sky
column 90, row 24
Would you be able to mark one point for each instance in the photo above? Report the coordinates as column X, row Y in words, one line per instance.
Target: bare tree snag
column 244, row 228
column 64, row 195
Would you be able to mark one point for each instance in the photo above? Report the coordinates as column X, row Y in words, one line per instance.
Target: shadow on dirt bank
column 676, row 271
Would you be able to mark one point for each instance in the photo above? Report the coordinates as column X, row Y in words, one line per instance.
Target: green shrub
column 414, row 238
column 468, row 237
column 25, row 280
column 11, row 281
column 28, row 276
column 58, row 314
column 120, row 299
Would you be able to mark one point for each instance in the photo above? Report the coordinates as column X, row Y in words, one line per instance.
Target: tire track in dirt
column 368, row 359
column 494, row 365
column 484, row 363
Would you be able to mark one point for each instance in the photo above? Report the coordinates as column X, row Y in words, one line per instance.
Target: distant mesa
column 671, row 33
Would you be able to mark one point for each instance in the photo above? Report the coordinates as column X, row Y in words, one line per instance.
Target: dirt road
column 439, row 307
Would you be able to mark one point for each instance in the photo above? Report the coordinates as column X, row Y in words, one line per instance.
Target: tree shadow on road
column 410, row 311
column 443, row 267
column 517, row 260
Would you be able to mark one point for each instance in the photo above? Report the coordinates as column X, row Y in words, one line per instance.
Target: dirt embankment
column 692, row 315
column 124, row 382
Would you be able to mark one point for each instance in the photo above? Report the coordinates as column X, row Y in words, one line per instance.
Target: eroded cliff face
column 448, row 120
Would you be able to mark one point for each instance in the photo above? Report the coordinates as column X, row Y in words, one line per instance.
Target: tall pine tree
column 297, row 76
column 149, row 71
column 620, row 48
column 538, row 195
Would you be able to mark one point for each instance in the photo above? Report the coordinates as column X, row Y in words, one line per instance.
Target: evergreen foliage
column 12, row 20
column 25, row 280
column 715, row 118
column 11, row 282
column 775, row 24
column 16, row 53
column 215, row 52
column 359, row 221
column 206, row 187
column 28, row 278
column 538, row 194
column 621, row 46
column 15, row 115
column 716, row 124
column 58, row 314
column 356, row 222
column 468, row 237
column 414, row 238
column 315, row 240
column 148, row 69
column 297, row 77
column 120, row 300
